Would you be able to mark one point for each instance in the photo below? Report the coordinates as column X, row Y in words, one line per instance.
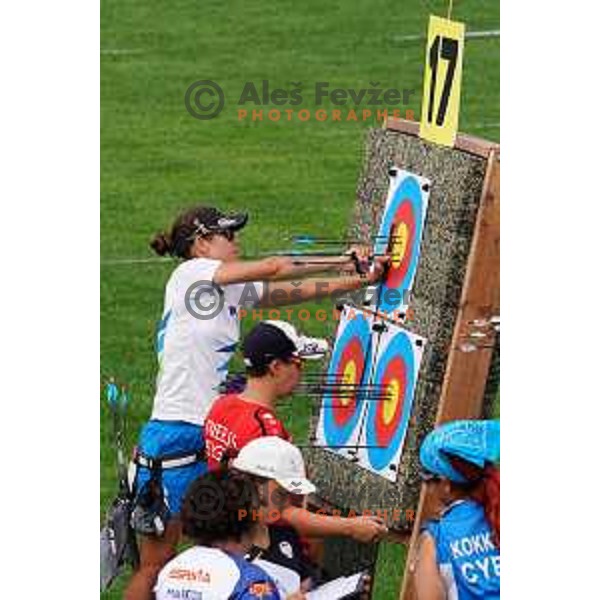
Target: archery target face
column 400, row 233
column 396, row 366
column 342, row 408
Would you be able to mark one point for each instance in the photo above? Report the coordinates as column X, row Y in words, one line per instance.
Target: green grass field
column 294, row 177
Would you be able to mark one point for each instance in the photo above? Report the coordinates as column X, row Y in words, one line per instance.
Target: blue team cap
column 477, row 442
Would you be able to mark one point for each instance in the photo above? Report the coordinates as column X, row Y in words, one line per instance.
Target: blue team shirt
column 202, row 573
column 468, row 560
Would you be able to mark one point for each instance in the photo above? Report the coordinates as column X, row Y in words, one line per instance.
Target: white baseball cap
column 273, row 458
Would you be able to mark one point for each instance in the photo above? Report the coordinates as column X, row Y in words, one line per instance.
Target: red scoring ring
column 395, row 369
column 342, row 413
column 404, row 214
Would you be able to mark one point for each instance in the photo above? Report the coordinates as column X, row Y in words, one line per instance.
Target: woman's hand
column 357, row 260
column 367, row 529
column 379, row 267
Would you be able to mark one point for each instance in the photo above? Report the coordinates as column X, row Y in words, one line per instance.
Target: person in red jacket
column 273, row 355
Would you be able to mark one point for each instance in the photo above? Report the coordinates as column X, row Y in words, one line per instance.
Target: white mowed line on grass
column 490, row 33
column 115, row 262
column 469, row 35
column 121, row 51
column 485, row 126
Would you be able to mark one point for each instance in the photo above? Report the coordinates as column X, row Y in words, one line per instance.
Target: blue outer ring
column 409, row 189
column 356, row 327
column 399, row 346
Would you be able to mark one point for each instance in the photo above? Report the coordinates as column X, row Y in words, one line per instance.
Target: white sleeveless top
column 194, row 352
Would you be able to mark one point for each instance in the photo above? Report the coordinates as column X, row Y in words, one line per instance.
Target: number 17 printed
column 443, row 73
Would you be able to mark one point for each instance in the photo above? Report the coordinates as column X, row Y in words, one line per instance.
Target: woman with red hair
column 459, row 552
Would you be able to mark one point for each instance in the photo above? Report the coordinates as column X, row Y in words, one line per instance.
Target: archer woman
column 459, row 554
column 197, row 336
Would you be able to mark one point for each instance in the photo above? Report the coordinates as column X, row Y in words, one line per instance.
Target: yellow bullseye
column 348, row 378
column 399, row 245
column 390, row 404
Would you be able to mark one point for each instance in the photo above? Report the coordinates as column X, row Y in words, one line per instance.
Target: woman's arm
column 253, row 270
column 308, row 524
column 310, row 265
column 356, row 260
column 278, row 267
column 428, row 582
column 287, row 293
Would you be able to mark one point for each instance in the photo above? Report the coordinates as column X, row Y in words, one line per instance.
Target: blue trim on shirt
column 251, row 574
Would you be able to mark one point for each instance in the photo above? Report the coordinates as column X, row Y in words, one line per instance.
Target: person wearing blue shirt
column 458, row 556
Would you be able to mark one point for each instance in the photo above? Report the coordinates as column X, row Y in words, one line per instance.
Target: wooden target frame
column 466, row 376
column 456, row 315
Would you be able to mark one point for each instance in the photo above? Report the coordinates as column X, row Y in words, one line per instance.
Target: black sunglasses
column 228, row 234
column 204, row 232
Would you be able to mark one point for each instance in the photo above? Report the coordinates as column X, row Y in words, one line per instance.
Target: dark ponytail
column 490, row 500
column 178, row 242
column 161, row 244
column 484, row 487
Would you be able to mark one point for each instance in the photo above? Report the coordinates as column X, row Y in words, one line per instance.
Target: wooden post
column 467, row 369
column 457, row 284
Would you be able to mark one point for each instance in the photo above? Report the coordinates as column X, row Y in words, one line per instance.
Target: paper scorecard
column 338, row 589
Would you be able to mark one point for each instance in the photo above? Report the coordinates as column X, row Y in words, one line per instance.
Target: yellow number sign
column 441, row 88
